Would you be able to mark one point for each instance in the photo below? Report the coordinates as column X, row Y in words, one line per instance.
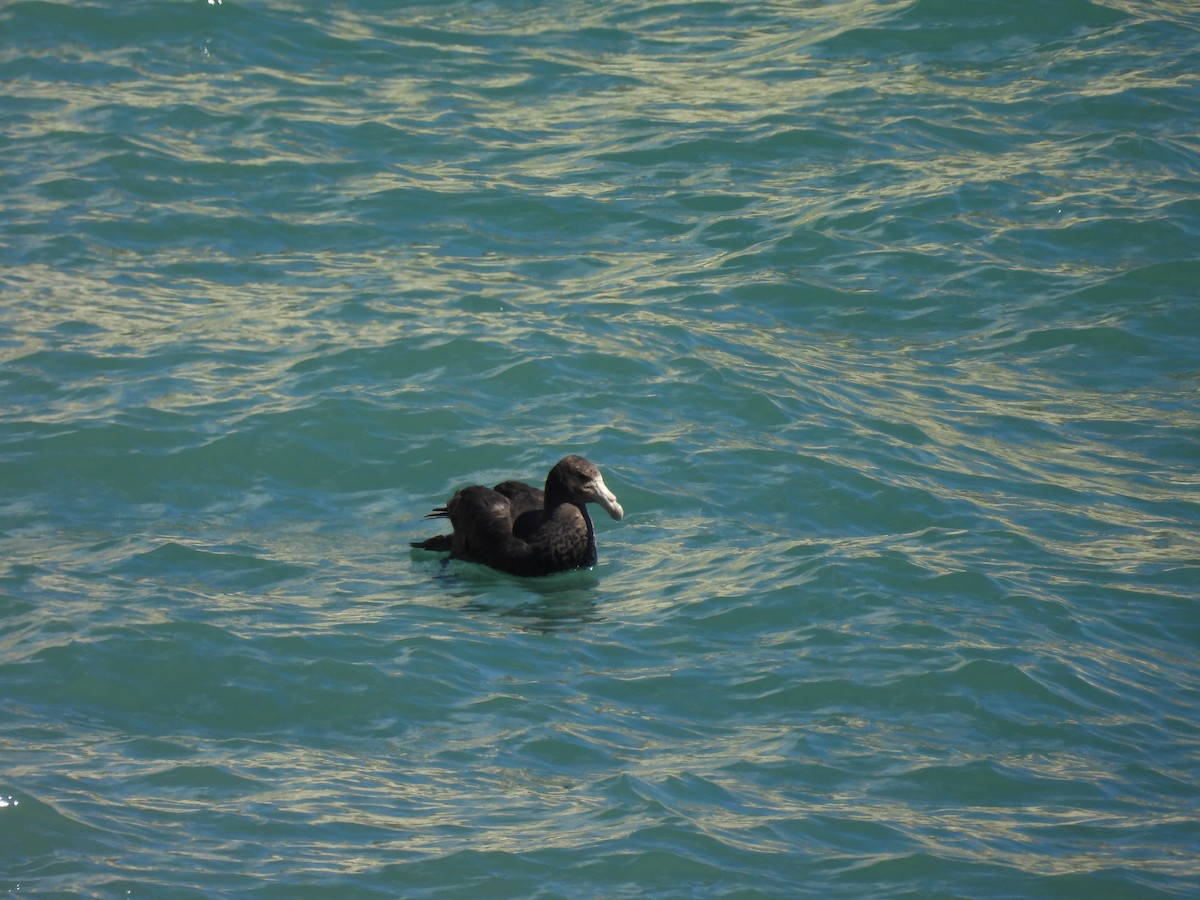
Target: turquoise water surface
column 881, row 318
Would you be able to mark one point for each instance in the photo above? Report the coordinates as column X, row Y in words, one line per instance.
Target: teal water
column 882, row 320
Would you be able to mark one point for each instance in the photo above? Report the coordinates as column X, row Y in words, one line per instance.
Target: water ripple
column 879, row 317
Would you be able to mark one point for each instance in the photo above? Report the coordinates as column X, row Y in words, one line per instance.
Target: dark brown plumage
column 520, row 529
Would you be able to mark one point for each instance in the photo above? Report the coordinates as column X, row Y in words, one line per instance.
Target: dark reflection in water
column 562, row 602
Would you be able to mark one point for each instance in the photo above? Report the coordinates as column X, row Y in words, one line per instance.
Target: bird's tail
column 439, row 544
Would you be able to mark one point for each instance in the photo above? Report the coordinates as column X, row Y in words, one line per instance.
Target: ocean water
column 881, row 317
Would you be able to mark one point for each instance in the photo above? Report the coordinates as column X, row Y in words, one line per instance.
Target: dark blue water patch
column 491, row 213
column 212, row 566
column 50, row 26
column 1100, row 340
column 1161, row 155
column 971, row 784
column 68, row 189
column 562, row 752
column 71, row 373
column 562, row 608
column 35, row 825
column 160, row 456
column 674, row 858
column 105, row 456
column 1157, row 316
column 203, row 679
column 777, row 139
column 1119, row 882
column 936, row 29
column 205, row 782
column 1090, row 239
column 935, row 876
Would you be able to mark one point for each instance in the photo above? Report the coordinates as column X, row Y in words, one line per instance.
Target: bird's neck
column 555, row 497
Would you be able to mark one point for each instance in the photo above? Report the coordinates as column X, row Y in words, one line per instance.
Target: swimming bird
column 520, row 529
